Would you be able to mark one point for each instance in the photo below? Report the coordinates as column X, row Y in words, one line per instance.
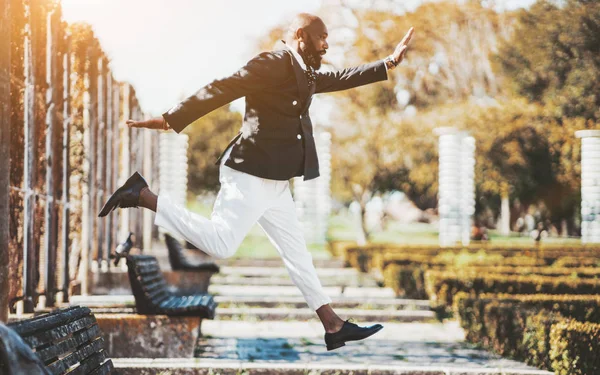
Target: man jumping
column 274, row 144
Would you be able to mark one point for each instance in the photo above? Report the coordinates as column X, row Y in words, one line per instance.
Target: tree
column 553, row 57
column 209, row 136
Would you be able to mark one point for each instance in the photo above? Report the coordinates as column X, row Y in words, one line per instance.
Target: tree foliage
column 209, row 136
column 553, row 57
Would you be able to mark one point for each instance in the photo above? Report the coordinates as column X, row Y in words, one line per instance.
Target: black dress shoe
column 126, row 196
column 349, row 332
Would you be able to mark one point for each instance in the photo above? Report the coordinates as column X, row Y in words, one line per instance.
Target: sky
column 168, row 49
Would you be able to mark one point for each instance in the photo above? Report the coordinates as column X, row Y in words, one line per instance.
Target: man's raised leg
column 237, row 207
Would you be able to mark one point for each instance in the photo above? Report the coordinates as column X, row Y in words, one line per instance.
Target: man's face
column 314, row 44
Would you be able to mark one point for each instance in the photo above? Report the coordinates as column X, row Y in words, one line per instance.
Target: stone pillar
column 313, row 198
column 173, row 163
column 590, row 185
column 456, row 185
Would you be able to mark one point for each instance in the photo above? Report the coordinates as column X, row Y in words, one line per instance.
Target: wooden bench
column 152, row 296
column 65, row 341
column 179, row 261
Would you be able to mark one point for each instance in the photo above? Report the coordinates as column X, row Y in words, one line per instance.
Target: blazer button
column 299, row 136
column 300, row 117
column 294, row 102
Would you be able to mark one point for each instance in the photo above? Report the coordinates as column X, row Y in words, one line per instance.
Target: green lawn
column 257, row 245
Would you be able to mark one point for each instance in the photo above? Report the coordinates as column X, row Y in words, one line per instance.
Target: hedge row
column 575, row 348
column 520, row 326
column 408, row 279
column 367, row 258
column 442, row 286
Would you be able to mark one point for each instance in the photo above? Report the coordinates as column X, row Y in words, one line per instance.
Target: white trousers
column 244, row 199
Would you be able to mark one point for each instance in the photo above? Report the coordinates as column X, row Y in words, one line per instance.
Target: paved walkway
column 264, row 337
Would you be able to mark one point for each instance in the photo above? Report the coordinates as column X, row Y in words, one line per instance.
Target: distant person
column 275, row 143
column 479, row 232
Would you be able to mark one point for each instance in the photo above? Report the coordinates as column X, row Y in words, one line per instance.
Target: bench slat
column 94, row 362
column 150, row 278
column 157, row 296
column 90, row 349
column 51, row 320
column 106, row 368
column 146, row 269
column 70, row 344
column 155, row 285
column 58, row 333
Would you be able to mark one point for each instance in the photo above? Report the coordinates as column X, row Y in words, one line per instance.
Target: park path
column 263, row 326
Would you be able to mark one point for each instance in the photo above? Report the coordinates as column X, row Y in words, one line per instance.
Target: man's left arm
column 362, row 74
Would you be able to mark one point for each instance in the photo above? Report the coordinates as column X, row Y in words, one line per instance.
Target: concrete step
column 124, row 301
column 302, row 314
column 338, row 302
column 249, row 271
column 332, row 291
column 276, row 262
column 284, row 280
column 184, row 366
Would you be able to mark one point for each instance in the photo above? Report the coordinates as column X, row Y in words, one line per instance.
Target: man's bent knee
column 225, row 251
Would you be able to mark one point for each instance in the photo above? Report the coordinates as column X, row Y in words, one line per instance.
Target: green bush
column 378, row 256
column 519, row 326
column 575, row 348
column 579, row 261
column 536, row 345
column 406, row 275
column 442, row 286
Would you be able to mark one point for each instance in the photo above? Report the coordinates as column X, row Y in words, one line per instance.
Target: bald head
column 304, row 21
column 307, row 34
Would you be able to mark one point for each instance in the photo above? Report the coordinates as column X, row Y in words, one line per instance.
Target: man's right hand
column 158, row 123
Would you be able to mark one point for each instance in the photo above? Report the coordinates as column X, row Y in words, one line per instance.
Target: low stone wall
column 149, row 336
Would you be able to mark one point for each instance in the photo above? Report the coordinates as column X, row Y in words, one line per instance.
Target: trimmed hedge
column 338, row 248
column 575, row 348
column 571, row 261
column 379, row 256
column 442, row 286
column 470, row 309
column 519, row 326
column 406, row 276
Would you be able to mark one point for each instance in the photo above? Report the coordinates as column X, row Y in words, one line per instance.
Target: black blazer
column 276, row 139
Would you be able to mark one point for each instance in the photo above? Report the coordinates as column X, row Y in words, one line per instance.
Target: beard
column 310, row 55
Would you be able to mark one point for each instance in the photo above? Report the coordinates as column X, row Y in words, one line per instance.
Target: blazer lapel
column 303, row 90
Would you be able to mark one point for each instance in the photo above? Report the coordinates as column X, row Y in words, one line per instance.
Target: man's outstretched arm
column 363, row 74
column 261, row 72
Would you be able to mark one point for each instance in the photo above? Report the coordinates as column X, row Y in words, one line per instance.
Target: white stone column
column 173, row 166
column 456, row 185
column 313, row 197
column 590, row 185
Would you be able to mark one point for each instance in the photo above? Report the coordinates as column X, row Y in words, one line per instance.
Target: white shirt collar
column 298, row 57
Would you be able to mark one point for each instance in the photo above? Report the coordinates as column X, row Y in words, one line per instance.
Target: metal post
column 66, row 169
column 51, row 105
column 30, row 172
column 99, row 175
column 5, row 30
column 147, row 215
column 93, row 113
column 126, row 153
column 116, row 145
column 109, row 155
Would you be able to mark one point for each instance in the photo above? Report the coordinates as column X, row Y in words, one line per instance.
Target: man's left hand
column 400, row 50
